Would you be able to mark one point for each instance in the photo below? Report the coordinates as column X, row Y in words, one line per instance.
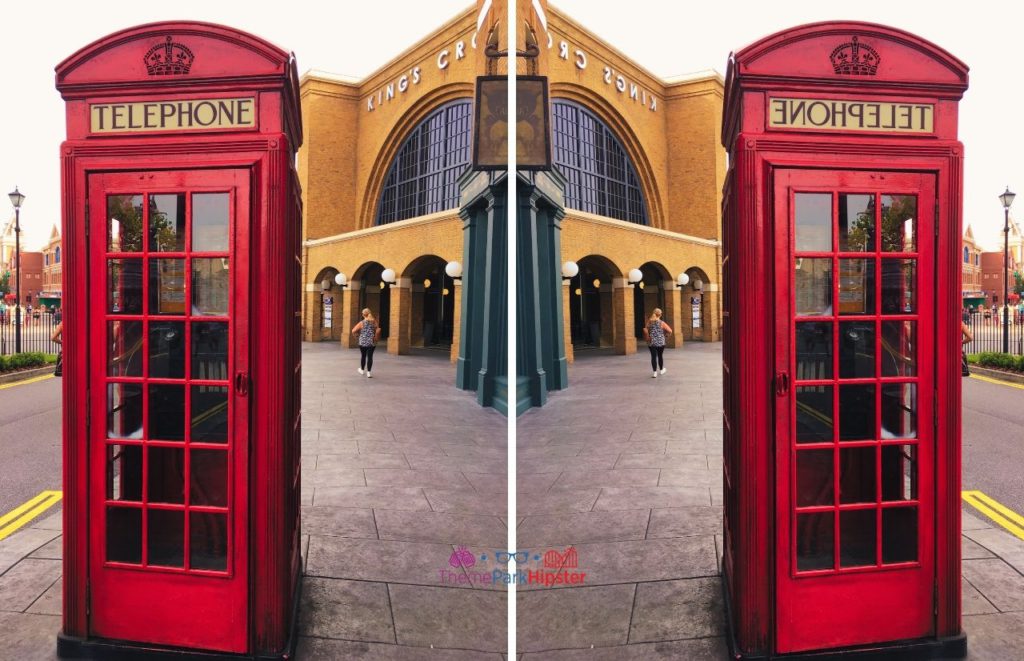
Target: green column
column 540, row 348
column 483, row 349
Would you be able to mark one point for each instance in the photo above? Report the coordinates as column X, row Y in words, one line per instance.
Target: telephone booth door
column 169, row 420
column 854, row 391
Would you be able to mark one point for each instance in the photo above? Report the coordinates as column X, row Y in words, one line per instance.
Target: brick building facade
column 641, row 156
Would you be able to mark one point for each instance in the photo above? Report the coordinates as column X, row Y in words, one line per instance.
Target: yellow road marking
column 997, row 381
column 32, row 380
column 994, row 510
column 19, row 516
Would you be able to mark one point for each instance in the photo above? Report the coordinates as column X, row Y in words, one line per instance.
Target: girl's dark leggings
column 366, row 358
column 657, row 360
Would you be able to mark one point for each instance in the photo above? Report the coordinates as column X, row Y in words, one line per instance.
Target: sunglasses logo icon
column 503, row 557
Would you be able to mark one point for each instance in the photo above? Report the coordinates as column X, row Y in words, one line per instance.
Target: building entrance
column 374, row 294
column 590, row 304
column 433, row 304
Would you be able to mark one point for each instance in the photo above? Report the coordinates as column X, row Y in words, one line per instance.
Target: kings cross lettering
column 173, row 115
column 849, row 115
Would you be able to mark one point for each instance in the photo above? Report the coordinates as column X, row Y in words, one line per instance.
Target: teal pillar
column 540, row 346
column 482, row 365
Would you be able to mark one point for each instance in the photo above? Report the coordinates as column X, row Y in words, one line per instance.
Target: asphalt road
column 993, row 441
column 30, row 446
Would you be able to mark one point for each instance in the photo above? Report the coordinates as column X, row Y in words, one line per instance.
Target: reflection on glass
column 124, row 286
column 856, row 223
column 814, row 414
column 898, row 217
column 124, row 223
column 210, row 286
column 857, row 475
column 209, row 414
column 899, row 472
column 856, row 412
column 167, row 349
column 813, row 286
column 856, row 349
column 814, row 484
column 899, row 534
column 124, row 472
column 857, row 538
column 899, row 410
column 166, row 538
column 124, row 410
column 167, row 222
column 124, row 348
column 898, row 291
column 813, row 350
column 209, row 471
column 166, row 475
column 166, row 412
column 856, row 286
column 899, row 355
column 210, row 222
column 208, row 539
column 210, row 350
column 167, row 286
column 813, row 220
column 815, row 541
column 124, row 535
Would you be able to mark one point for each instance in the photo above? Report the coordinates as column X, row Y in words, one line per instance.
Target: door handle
column 781, row 384
column 241, row 384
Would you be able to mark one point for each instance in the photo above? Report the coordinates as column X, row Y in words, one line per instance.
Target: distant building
column 50, row 296
column 992, row 272
column 31, row 277
column 973, row 295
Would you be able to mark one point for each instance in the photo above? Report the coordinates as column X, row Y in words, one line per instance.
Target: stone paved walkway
column 628, row 469
column 399, row 471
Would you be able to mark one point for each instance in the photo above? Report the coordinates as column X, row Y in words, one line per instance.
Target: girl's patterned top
column 367, row 333
column 656, row 333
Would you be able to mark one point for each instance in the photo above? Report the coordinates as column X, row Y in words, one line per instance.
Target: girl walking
column 654, row 332
column 369, row 332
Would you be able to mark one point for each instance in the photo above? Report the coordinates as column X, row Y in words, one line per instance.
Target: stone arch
column 607, row 113
column 325, row 304
column 653, row 291
column 367, row 291
column 396, row 138
column 433, row 315
column 591, row 317
column 697, row 304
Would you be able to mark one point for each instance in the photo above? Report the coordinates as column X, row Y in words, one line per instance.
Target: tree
column 5, row 283
column 1018, row 282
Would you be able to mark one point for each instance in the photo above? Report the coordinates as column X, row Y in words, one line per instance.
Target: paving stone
column 325, row 648
column 317, row 448
column 29, row 636
column 641, row 447
column 684, row 522
column 51, row 601
column 339, row 522
column 526, row 466
column 558, row 501
column 392, row 498
column 379, row 436
column 678, row 436
column 334, row 461
column 999, row 582
column 970, row 549
column 419, row 563
column 993, row 637
column 700, row 649
column 333, row 477
column 450, row 618
column 1002, row 544
column 647, row 560
column 441, row 527
column 550, row 451
column 689, row 477
column 579, row 528
column 970, row 522
column 620, row 477
column 26, row 581
column 678, row 461
column 353, row 610
column 974, row 603
column 443, row 462
column 633, row 498
column 376, row 477
column 27, row 540
column 394, row 447
column 53, row 550
column 671, row 610
column 578, row 617
column 465, row 501
column 53, row 521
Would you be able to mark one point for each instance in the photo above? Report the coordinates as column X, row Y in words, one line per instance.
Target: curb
column 997, row 374
column 24, row 375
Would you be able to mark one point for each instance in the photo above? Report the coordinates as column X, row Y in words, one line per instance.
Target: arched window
column 967, row 255
column 56, row 254
column 600, row 178
column 423, row 177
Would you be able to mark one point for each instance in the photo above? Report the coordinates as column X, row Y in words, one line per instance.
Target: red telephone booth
column 842, row 215
column 181, row 219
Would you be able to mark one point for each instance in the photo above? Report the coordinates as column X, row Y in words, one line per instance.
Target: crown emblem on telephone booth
column 169, row 58
column 855, row 59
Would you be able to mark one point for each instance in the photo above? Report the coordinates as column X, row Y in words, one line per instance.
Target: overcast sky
column 667, row 37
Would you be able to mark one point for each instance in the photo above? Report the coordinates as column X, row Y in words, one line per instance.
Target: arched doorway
column 433, row 303
column 649, row 294
column 327, row 298
column 374, row 294
column 590, row 303
column 695, row 309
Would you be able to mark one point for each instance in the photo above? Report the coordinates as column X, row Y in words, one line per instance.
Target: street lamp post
column 1007, row 199
column 16, row 199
